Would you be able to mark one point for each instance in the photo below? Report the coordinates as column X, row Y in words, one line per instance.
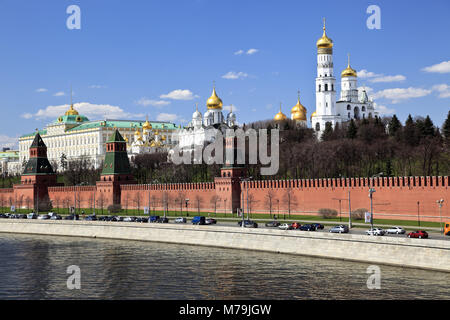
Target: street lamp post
column 371, row 192
column 418, row 216
column 440, row 204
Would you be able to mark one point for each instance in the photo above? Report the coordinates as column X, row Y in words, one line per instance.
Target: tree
column 101, row 201
column 179, row 200
column 446, row 131
column 137, row 200
column 214, row 200
column 394, row 126
column 270, row 198
column 290, row 200
column 328, row 132
column 63, row 161
column 352, row 130
column 198, row 202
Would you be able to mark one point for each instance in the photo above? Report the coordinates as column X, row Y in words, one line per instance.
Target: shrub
column 359, row 214
column 114, row 208
column 328, row 213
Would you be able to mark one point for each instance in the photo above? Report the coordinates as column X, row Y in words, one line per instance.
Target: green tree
column 352, row 130
column 394, row 126
column 446, row 130
column 328, row 132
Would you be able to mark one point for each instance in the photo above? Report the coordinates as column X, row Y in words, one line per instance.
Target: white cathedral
column 352, row 104
column 202, row 128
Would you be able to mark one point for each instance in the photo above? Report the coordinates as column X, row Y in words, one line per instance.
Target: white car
column 44, row 217
column 375, row 232
column 285, row 226
column 180, row 220
column 395, row 230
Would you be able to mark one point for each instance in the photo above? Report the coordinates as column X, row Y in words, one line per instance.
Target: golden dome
column 349, row 72
column 298, row 107
column 324, row 42
column 280, row 116
column 147, row 125
column 313, row 114
column 137, row 132
column 71, row 111
column 214, row 101
column 299, row 116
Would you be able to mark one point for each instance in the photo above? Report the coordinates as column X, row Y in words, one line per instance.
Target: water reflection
column 34, row 267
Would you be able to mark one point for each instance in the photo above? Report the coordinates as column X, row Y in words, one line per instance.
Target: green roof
column 116, row 162
column 9, row 154
column 38, row 142
column 71, row 119
column 116, row 137
column 41, row 132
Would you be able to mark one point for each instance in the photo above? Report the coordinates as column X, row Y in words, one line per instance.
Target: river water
column 35, row 267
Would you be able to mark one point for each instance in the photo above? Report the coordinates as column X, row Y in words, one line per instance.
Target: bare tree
column 2, row 201
column 57, row 202
column 214, row 201
column 290, row 200
column 179, row 200
column 155, row 202
column 137, row 200
column 165, row 201
column 270, row 199
column 101, row 201
column 198, row 202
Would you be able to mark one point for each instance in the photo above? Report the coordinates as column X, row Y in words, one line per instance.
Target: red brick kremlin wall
column 395, row 198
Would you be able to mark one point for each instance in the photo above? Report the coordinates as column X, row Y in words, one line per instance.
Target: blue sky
column 133, row 58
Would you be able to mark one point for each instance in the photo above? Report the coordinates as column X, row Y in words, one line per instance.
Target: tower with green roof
column 116, row 168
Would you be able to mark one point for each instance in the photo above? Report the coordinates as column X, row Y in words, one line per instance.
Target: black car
column 307, row 227
column 163, row 220
column 72, row 217
column 248, row 224
column 318, row 226
column 91, row 218
column 273, row 224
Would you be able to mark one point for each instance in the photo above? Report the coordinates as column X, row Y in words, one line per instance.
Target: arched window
column 356, row 112
column 320, row 87
column 349, row 107
column 332, row 87
column 317, row 126
column 326, row 87
column 363, row 108
column 349, row 115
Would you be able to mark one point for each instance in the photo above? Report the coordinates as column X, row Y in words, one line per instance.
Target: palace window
column 317, row 126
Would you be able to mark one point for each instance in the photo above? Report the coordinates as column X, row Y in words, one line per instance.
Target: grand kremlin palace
column 76, row 137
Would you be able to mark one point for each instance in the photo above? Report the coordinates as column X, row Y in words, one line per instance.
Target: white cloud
column 27, row 116
column 179, row 94
column 154, row 103
column 397, row 95
column 167, row 117
column 443, row 89
column 443, row 67
column 41, row 90
column 389, row 79
column 368, row 89
column 235, row 75
column 366, row 74
column 252, row 51
column 92, row 111
column 9, row 142
column 383, row 110
column 97, row 86
column 59, row 94
column 239, row 52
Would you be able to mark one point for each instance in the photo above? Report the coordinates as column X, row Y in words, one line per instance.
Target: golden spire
column 298, row 112
column 349, row 72
column 324, row 42
column 214, row 102
column 147, row 125
column 71, row 111
column 280, row 115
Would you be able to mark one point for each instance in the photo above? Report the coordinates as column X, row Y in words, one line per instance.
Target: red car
column 418, row 234
column 296, row 225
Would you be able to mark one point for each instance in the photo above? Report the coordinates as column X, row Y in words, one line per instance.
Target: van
column 447, row 228
column 199, row 220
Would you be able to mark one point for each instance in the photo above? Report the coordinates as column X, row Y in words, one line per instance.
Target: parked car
column 72, row 217
column 21, row 216
column 418, row 234
column 180, row 220
column 339, row 229
column 91, row 218
column 272, row 224
column 129, row 219
column 51, row 214
column 447, row 228
column 55, row 217
column 210, row 221
column 154, row 219
column 395, row 230
column 375, row 232
column 318, row 226
column 285, row 226
column 296, row 225
column 32, row 215
column 248, row 224
column 141, row 219
column 163, row 220
column 200, row 220
column 44, row 217
column 307, row 227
